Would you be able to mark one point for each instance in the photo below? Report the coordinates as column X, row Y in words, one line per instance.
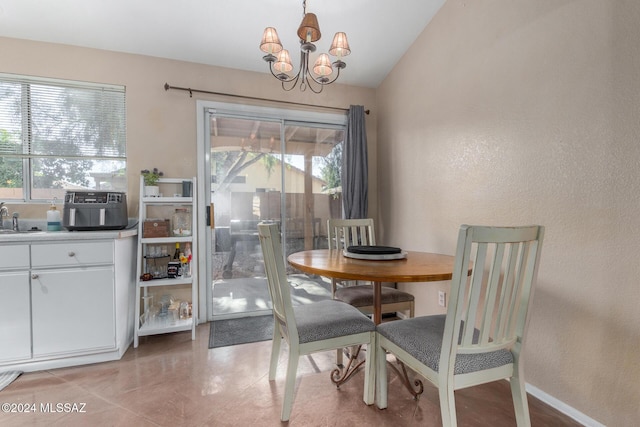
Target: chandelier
column 308, row 32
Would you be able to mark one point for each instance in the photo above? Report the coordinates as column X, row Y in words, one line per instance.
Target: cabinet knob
column 34, row 276
column 72, row 254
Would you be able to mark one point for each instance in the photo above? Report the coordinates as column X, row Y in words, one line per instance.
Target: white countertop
column 44, row 236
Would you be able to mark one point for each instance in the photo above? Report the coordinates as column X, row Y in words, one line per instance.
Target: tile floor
column 236, row 297
column 170, row 380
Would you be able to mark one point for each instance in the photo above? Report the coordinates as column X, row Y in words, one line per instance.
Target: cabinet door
column 73, row 310
column 15, row 316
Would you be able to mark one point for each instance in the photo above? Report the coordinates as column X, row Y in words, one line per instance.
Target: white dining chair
column 343, row 233
column 482, row 336
column 310, row 328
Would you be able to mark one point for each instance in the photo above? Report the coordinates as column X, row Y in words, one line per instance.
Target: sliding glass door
column 263, row 166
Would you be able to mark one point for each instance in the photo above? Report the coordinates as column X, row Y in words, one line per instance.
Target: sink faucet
column 15, row 221
column 4, row 212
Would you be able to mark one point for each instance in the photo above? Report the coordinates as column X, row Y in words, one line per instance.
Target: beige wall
column 514, row 112
column 161, row 125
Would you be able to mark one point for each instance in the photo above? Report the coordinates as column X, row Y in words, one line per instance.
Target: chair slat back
column 343, row 233
column 271, row 244
column 492, row 304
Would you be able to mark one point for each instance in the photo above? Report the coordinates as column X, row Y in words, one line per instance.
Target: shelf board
column 174, row 180
column 168, row 200
column 153, row 327
column 160, row 240
column 165, row 282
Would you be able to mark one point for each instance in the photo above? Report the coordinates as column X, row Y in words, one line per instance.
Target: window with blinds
column 58, row 135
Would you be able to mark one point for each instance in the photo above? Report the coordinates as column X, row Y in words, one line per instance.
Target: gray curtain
column 355, row 175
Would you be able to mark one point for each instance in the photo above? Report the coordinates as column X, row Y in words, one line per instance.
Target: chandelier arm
column 322, row 84
column 293, row 79
column 277, row 77
column 310, row 86
column 301, row 72
column 328, row 82
column 304, row 70
column 304, row 62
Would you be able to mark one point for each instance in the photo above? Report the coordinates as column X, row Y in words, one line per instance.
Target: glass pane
column 245, row 189
column 313, row 187
column 52, row 177
column 10, row 119
column 11, row 178
column 252, row 180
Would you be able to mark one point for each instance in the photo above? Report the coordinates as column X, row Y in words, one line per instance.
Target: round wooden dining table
column 416, row 267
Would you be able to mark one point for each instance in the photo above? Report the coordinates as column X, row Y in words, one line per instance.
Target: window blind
column 41, row 118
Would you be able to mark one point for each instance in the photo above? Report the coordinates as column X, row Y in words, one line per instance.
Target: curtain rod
column 188, row 89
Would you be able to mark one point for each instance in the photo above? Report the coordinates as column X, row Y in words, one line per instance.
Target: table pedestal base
column 340, row 376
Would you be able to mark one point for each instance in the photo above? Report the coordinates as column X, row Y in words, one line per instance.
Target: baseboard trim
column 562, row 407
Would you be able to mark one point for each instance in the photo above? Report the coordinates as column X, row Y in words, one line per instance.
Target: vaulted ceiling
column 225, row 33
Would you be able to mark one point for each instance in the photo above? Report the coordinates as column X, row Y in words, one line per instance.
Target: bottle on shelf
column 176, row 254
column 186, row 268
column 183, row 265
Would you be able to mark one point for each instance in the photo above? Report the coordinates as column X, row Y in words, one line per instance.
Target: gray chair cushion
column 329, row 319
column 362, row 296
column 422, row 338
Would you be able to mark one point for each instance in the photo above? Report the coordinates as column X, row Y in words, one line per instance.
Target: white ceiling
column 225, row 33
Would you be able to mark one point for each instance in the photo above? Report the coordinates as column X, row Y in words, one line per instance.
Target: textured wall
column 515, row 112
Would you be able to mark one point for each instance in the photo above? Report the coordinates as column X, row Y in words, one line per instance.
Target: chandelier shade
column 316, row 77
column 309, row 29
column 270, row 41
column 339, row 46
column 283, row 63
column 322, row 67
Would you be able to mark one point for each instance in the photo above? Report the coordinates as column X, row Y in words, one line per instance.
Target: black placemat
column 374, row 250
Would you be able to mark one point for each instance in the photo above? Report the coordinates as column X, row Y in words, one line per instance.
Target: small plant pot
column 151, row 190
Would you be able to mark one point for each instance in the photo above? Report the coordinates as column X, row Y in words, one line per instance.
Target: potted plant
column 151, row 178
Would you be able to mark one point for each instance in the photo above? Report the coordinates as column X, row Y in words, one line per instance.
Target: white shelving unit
column 147, row 321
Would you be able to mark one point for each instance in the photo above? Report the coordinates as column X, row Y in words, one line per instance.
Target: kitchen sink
column 7, row 231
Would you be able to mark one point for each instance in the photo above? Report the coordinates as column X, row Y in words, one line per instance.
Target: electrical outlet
column 442, row 298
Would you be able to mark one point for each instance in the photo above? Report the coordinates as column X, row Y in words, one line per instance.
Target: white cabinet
column 72, row 297
column 66, row 299
column 154, row 280
column 73, row 310
column 15, row 316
